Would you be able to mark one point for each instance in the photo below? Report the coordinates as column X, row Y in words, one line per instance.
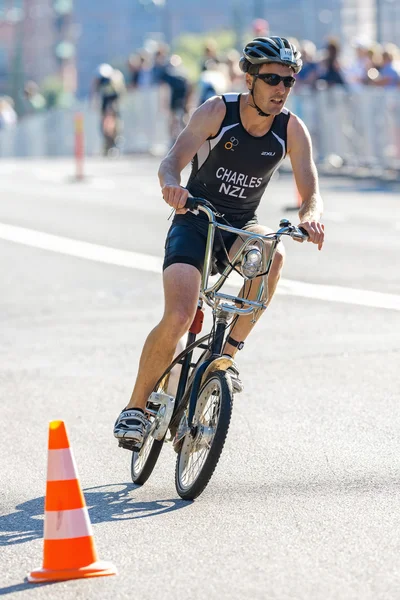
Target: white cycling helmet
column 104, row 71
column 272, row 49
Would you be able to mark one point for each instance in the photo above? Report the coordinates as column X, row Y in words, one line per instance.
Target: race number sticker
column 286, row 54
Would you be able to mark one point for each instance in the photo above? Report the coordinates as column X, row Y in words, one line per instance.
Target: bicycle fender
column 222, row 363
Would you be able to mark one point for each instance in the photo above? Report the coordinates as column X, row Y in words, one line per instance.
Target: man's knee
column 279, row 260
column 179, row 320
column 181, row 286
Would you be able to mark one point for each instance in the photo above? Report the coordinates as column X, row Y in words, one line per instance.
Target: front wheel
column 202, row 446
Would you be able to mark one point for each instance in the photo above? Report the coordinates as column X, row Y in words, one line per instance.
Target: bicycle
column 111, row 129
column 199, row 414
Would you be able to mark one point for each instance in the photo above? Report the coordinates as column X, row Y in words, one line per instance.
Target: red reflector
column 197, row 324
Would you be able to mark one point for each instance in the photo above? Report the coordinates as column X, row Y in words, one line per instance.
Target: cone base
column 96, row 569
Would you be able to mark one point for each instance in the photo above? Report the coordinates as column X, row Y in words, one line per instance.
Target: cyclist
column 236, row 142
column 109, row 85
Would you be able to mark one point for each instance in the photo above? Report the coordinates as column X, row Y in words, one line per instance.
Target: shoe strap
column 131, row 413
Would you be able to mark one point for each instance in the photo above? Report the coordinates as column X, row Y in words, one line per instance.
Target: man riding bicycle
column 236, row 142
column 109, row 86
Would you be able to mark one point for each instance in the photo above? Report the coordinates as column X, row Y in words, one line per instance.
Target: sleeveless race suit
column 231, row 170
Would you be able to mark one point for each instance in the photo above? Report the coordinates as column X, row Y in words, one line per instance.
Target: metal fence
column 145, row 129
column 353, row 129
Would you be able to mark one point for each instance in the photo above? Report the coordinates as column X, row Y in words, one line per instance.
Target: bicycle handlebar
column 298, row 233
column 192, row 203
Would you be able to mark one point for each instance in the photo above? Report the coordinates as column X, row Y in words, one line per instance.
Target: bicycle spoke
column 194, row 456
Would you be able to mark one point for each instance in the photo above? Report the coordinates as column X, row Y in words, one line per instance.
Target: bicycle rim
column 139, row 459
column 144, row 461
column 200, row 451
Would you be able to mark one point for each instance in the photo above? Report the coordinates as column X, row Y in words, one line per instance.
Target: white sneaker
column 130, row 428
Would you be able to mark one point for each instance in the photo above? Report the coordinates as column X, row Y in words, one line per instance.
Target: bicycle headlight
column 251, row 262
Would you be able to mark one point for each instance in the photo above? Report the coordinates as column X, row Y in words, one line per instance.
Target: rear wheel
column 144, row 461
column 202, row 446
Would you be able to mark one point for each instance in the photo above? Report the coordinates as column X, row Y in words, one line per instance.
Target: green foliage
column 54, row 94
column 190, row 47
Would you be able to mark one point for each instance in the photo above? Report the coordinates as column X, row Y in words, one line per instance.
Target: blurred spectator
column 309, row 71
column 386, row 75
column 260, row 28
column 160, row 64
column 8, row 116
column 214, row 80
column 210, row 53
column 235, row 75
column 329, row 68
column 375, row 55
column 34, row 101
column 356, row 73
column 140, row 70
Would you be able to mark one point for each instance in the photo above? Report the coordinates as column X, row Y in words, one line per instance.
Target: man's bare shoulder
column 295, row 124
column 297, row 131
column 210, row 114
column 215, row 106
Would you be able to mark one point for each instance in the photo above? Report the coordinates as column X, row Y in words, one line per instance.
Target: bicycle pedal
column 128, row 445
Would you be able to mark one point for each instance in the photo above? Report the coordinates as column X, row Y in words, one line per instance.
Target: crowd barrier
column 145, row 128
column 353, row 128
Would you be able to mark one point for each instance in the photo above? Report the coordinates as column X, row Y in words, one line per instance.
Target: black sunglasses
column 273, row 79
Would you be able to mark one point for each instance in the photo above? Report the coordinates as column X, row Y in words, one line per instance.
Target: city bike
column 196, row 415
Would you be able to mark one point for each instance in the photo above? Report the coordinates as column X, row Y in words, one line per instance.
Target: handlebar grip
column 303, row 231
column 191, row 203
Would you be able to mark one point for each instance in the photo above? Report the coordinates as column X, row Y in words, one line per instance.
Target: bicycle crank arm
column 164, row 414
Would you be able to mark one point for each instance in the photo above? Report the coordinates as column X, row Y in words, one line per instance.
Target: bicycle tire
column 141, row 475
column 153, row 447
column 190, row 491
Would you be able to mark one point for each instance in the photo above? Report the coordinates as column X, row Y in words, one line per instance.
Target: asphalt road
column 304, row 502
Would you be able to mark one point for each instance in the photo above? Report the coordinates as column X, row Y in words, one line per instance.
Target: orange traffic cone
column 69, row 550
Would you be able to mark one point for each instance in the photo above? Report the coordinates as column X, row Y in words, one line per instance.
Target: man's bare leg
column 244, row 324
column 181, row 291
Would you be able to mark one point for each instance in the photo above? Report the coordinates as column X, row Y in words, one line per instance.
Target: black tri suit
column 231, row 170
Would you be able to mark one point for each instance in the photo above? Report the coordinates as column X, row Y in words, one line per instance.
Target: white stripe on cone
column 67, row 524
column 61, row 465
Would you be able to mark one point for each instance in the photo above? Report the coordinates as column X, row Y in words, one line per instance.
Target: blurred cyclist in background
column 109, row 85
column 175, row 76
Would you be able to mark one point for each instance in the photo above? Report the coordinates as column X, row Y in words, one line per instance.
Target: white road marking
column 146, row 262
column 335, row 216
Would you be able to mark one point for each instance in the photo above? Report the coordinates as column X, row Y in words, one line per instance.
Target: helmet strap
column 254, row 105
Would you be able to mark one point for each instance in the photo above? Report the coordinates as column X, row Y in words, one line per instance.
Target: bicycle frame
column 223, row 305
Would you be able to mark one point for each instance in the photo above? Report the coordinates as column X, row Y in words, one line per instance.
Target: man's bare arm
column 204, row 123
column 306, row 177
